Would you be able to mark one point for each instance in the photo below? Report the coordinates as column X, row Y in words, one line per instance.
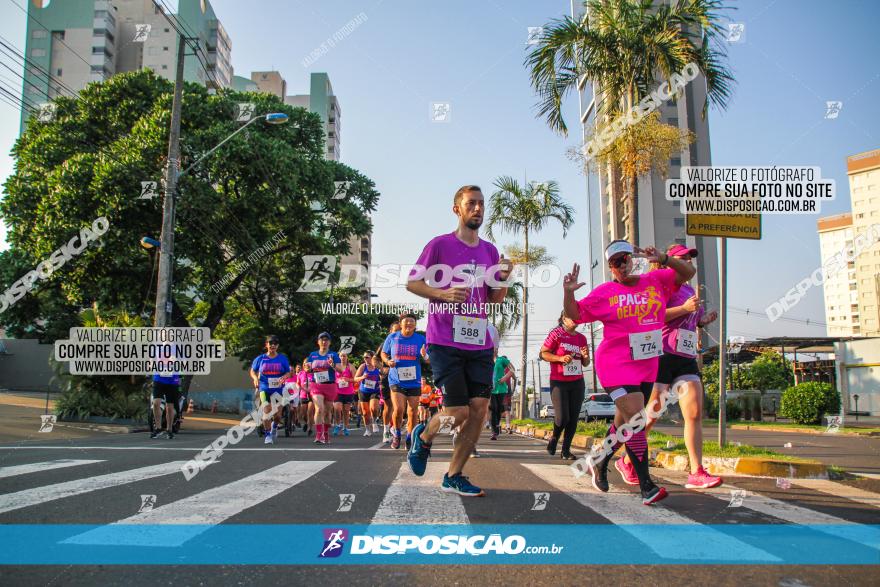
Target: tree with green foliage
column 769, row 370
column 245, row 218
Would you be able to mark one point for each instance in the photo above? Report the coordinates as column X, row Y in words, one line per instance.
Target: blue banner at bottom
column 227, row 544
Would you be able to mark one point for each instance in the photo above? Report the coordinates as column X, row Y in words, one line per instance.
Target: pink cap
column 681, row 250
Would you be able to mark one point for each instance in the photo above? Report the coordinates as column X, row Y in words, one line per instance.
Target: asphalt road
column 54, row 479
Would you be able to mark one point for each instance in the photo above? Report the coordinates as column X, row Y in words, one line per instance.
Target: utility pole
column 539, row 398
column 166, row 251
column 722, row 344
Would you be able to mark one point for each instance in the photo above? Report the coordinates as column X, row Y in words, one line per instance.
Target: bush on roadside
column 111, row 396
column 806, row 403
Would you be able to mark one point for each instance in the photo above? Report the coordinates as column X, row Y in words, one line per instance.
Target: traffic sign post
column 723, row 226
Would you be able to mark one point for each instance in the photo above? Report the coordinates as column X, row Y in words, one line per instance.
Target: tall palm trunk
column 631, row 203
column 523, row 401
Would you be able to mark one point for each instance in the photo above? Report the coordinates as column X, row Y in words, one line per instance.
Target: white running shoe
column 386, row 437
column 375, row 428
column 268, row 439
column 367, row 432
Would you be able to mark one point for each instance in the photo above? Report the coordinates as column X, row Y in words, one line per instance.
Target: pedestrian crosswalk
column 32, row 497
column 208, row 508
column 44, row 466
column 786, row 511
column 621, row 508
column 236, row 490
column 419, row 500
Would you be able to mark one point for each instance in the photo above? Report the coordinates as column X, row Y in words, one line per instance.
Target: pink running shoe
column 627, row 472
column 702, row 480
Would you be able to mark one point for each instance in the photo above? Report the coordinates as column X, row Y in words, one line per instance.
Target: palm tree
column 526, row 209
column 623, row 46
column 506, row 321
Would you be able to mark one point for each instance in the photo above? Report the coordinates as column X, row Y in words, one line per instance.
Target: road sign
column 724, row 225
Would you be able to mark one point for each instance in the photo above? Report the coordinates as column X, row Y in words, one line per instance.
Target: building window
column 164, row 67
column 39, row 34
column 38, row 53
column 164, row 48
column 681, row 241
column 58, row 71
column 678, row 222
column 167, row 30
column 676, row 161
column 672, row 121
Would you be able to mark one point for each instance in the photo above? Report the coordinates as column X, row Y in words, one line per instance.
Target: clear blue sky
column 797, row 55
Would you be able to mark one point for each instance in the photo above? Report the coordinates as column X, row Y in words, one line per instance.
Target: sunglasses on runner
column 621, row 260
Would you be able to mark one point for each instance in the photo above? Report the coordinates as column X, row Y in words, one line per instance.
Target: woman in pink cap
column 679, row 369
column 632, row 309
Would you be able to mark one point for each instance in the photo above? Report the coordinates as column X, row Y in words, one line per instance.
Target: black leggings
column 567, row 396
column 497, row 406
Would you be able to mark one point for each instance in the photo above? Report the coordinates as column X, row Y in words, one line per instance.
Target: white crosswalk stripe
column 840, row 490
column 204, row 509
column 783, row 510
column 30, row 497
column 412, row 500
column 625, row 509
column 419, row 500
column 45, row 466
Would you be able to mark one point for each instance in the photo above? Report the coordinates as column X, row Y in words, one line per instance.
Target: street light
column 274, row 118
column 277, row 118
column 163, row 288
column 150, row 243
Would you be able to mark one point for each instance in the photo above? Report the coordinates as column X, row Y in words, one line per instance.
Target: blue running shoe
column 459, row 484
column 336, row 430
column 418, row 452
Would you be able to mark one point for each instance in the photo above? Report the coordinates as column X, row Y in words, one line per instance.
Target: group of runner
column 649, row 344
column 326, row 390
column 645, row 317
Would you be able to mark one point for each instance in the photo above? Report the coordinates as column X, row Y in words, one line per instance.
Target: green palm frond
column 625, row 45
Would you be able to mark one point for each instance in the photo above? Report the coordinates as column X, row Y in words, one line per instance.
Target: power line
column 749, row 312
column 60, row 40
column 45, row 75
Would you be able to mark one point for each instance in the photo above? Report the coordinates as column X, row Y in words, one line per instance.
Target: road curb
column 800, row 430
column 750, row 466
column 101, row 428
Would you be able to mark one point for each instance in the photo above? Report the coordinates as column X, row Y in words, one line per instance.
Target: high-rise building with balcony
column 74, row 42
column 852, row 295
column 322, row 101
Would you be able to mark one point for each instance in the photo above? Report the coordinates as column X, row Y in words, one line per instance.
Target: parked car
column 597, row 405
column 547, row 411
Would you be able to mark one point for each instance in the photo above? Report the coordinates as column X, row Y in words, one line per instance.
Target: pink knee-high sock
column 638, row 444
